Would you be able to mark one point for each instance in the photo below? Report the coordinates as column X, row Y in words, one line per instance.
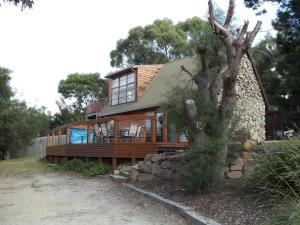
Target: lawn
column 26, row 165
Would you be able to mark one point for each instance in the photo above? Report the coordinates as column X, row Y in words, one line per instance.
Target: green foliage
column 88, row 169
column 277, row 171
column 159, row 42
column 83, row 89
column 204, row 166
column 23, row 3
column 18, row 122
column 288, row 215
column 207, row 111
column 234, row 150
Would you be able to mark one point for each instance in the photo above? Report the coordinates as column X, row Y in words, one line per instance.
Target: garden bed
column 235, row 204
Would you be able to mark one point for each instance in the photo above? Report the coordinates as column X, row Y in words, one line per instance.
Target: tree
column 23, row 3
column 287, row 39
column 158, row 43
column 219, row 66
column 265, row 55
column 83, row 89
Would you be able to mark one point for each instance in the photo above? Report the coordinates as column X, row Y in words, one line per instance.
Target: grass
column 26, row 165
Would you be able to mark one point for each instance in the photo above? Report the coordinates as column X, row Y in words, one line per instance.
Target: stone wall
column 171, row 167
column 250, row 109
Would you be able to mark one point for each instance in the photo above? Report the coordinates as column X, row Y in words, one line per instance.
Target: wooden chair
column 131, row 132
column 138, row 133
column 97, row 132
column 104, row 133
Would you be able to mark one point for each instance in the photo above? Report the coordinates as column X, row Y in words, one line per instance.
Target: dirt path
column 56, row 199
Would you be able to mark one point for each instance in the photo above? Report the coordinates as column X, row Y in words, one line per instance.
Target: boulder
column 134, row 174
column 167, row 174
column 149, row 157
column 166, row 164
column 156, row 169
column 147, row 167
column 237, row 161
column 144, row 177
column 234, row 174
column 157, row 157
column 236, row 168
column 176, row 166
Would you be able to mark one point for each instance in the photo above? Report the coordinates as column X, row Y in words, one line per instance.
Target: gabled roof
column 170, row 75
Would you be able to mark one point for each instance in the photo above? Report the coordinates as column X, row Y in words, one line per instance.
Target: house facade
column 140, row 90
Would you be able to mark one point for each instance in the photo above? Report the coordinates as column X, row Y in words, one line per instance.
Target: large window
column 123, row 89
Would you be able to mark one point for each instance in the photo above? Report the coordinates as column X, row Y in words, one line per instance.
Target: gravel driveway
column 58, row 199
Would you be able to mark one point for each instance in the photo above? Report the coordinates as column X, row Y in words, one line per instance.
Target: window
column 123, row 89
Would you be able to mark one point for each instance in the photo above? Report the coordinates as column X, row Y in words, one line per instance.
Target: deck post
column 116, row 129
column 88, row 133
column 177, row 136
column 114, row 163
column 165, row 129
column 52, row 137
column 100, row 161
column 67, row 135
column 133, row 161
column 153, row 130
column 58, row 136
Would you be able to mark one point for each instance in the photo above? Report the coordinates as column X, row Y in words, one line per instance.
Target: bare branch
column 243, row 32
column 188, row 72
column 217, row 28
column 250, row 36
column 230, row 13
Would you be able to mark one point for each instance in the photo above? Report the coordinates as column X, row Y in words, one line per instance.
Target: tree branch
column 250, row 36
column 188, row 72
column 243, row 32
column 230, row 13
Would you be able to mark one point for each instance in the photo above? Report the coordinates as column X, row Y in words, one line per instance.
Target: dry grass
column 26, row 165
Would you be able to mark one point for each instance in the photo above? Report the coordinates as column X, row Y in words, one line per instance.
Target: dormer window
column 123, row 89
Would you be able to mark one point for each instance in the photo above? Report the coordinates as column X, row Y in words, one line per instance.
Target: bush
column 289, row 215
column 234, row 151
column 204, row 166
column 88, row 169
column 277, row 170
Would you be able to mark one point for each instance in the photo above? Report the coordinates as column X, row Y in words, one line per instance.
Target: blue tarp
column 79, row 136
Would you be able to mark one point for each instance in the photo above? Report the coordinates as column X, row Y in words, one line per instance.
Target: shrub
column 88, row 169
column 234, row 150
column 277, row 170
column 288, row 215
column 204, row 166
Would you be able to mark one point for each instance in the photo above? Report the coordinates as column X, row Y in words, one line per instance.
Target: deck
column 60, row 148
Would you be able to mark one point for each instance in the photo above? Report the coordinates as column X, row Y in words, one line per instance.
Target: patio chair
column 138, row 133
column 131, row 132
column 104, row 133
column 97, row 132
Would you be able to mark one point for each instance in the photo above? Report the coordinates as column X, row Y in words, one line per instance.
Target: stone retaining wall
column 170, row 167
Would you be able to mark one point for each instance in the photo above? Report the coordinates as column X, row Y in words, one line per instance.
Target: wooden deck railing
column 116, row 123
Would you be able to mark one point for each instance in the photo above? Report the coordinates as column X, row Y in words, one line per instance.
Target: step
column 118, row 178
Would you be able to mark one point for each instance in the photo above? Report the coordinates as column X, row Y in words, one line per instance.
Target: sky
column 59, row 37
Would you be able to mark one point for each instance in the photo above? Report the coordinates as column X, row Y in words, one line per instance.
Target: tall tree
column 158, row 43
column 225, row 68
column 287, row 25
column 83, row 89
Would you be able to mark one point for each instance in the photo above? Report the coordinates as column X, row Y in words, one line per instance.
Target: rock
column 147, row 167
column 166, row 164
column 141, row 165
column 176, row 166
column 236, row 168
column 134, row 174
column 157, row 157
column 234, row 174
column 143, row 177
column 167, row 174
column 180, row 156
column 156, row 169
column 116, row 172
column 237, row 161
column 118, row 178
column 248, row 159
column 149, row 157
